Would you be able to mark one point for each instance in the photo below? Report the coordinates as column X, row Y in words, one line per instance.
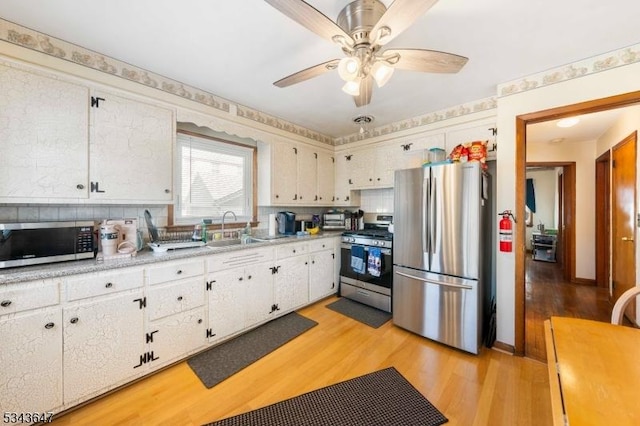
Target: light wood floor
column 547, row 294
column 492, row 388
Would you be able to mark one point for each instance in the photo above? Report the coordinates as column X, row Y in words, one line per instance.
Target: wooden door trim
column 603, row 222
column 596, row 105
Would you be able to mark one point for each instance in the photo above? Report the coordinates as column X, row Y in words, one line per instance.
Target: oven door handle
column 386, row 251
column 440, row 283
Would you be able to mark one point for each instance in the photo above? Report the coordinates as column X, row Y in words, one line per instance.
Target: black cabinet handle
column 249, row 277
column 200, row 321
column 294, row 250
column 166, row 191
column 80, row 186
column 49, row 325
column 73, row 320
column 108, row 285
column 179, row 271
column 240, row 279
column 5, row 303
column 179, row 298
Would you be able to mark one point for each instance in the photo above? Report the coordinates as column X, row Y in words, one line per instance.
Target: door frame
column 521, row 122
column 603, row 220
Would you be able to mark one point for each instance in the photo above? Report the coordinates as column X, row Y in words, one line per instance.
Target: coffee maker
column 287, row 223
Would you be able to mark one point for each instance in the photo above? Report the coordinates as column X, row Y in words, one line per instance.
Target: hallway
column 547, row 294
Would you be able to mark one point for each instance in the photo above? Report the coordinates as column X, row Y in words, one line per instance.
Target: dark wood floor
column 547, row 294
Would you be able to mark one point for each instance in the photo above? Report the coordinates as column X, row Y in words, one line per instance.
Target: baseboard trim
column 503, row 347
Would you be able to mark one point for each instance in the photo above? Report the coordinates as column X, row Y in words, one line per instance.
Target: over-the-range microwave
column 23, row 244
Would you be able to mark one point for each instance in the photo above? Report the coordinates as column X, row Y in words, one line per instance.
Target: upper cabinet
column 131, row 148
column 294, row 174
column 64, row 142
column 44, row 125
column 474, row 132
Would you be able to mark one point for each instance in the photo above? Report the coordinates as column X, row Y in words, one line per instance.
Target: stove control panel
column 366, row 241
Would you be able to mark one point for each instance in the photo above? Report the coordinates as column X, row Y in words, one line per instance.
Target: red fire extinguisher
column 506, row 231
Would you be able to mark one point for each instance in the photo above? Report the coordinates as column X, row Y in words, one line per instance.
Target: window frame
column 174, row 217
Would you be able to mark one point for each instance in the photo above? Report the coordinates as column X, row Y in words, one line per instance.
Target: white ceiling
column 237, row 49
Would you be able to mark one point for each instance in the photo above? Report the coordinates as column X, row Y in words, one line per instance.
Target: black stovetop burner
column 379, row 233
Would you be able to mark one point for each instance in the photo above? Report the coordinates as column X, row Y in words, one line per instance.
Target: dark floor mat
column 365, row 314
column 381, row 398
column 226, row 359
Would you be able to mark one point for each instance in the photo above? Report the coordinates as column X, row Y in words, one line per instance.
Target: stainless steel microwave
column 23, row 244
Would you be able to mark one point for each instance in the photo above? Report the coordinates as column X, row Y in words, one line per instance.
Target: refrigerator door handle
column 425, row 215
column 464, row 287
column 433, row 204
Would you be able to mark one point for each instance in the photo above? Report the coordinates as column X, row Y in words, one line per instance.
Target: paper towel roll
column 273, row 225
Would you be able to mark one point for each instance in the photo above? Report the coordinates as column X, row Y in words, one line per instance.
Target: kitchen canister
column 273, row 224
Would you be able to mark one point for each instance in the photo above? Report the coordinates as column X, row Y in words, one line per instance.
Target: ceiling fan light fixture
column 381, row 73
column 348, row 68
column 352, row 87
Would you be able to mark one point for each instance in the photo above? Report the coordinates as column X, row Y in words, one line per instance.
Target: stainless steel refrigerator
column 440, row 237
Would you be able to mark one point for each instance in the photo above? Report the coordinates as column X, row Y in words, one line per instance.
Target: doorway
column 520, row 157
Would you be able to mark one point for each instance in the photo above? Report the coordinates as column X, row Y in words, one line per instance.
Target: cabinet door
column 307, row 175
column 292, row 283
column 176, row 336
column 284, row 171
column 44, row 133
column 321, row 275
column 326, row 178
column 342, row 185
column 258, row 282
column 103, row 344
column 165, row 300
column 474, row 132
column 131, row 147
column 386, row 162
column 31, row 359
column 226, row 303
column 361, row 170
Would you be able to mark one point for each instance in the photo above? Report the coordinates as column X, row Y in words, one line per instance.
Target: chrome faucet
column 223, row 216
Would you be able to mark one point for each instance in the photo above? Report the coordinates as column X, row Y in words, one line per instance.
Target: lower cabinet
column 31, row 360
column 226, row 303
column 174, row 337
column 104, row 344
column 322, row 281
column 291, row 284
column 258, row 281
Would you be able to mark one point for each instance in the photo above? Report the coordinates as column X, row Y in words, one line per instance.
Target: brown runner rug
column 381, row 398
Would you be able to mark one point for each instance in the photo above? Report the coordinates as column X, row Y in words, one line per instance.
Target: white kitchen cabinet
column 294, row 174
column 414, row 152
column 104, row 344
column 307, row 175
column 291, row 285
column 258, row 281
column 326, row 177
column 344, row 195
column 44, row 132
column 169, row 299
column 131, row 149
column 322, row 280
column 226, row 303
column 31, row 359
column 483, row 130
column 174, row 337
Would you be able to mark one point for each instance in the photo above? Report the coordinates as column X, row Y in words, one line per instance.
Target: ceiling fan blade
column 310, row 18
column 366, row 88
column 308, row 73
column 398, row 17
column 427, row 60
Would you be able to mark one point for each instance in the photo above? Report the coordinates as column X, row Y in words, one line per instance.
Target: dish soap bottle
column 247, row 229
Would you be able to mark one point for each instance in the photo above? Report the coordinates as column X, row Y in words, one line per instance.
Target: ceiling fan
column 362, row 29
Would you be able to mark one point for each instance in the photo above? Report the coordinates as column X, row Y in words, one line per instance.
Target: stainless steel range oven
column 366, row 270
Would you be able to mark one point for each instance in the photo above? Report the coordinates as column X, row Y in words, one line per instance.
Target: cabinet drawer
column 101, row 283
column 30, row 295
column 319, row 245
column 171, row 299
column 290, row 250
column 237, row 258
column 175, row 271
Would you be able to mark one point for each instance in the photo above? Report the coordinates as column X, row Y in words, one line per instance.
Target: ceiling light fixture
column 568, row 122
column 363, row 63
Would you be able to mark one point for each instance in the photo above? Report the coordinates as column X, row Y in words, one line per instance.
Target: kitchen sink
column 233, row 242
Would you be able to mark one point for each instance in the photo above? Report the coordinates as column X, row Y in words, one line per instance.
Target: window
column 213, row 176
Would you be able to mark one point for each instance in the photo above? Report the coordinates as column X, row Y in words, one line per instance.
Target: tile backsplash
column 377, row 200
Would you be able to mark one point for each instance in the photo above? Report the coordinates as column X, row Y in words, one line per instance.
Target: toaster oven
column 335, row 221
